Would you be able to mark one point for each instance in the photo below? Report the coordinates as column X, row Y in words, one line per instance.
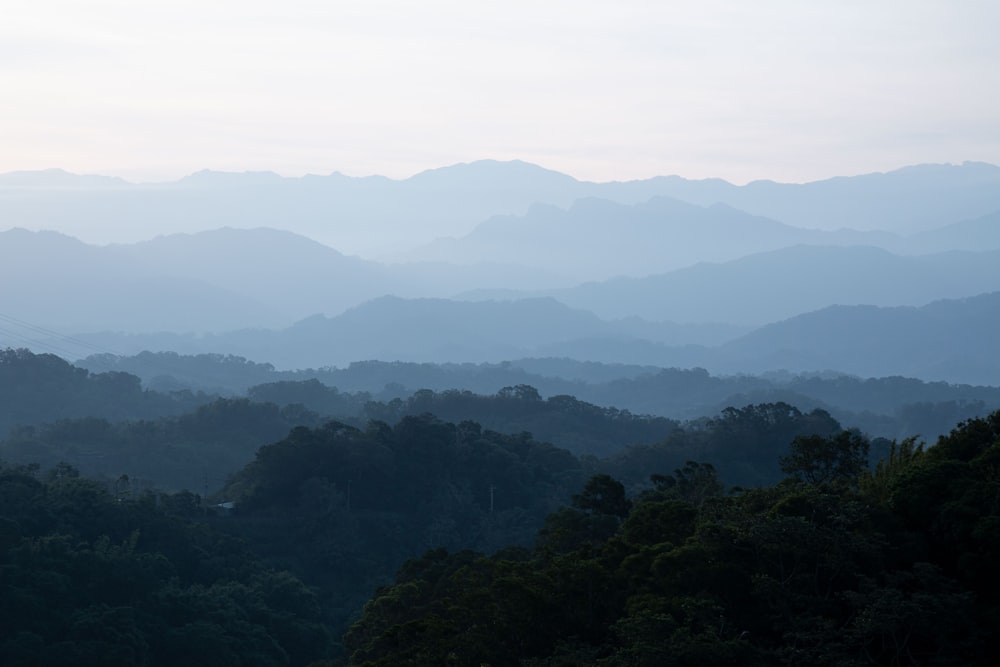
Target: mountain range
column 597, row 239
column 666, row 272
column 948, row 340
column 769, row 286
column 380, row 217
column 229, row 279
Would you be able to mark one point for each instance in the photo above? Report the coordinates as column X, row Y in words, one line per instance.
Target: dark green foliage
column 344, row 507
column 197, row 450
column 694, row 483
column 313, row 395
column 40, row 388
column 893, row 567
column 949, row 494
column 568, row 529
column 222, row 374
column 87, row 578
column 879, row 482
column 839, row 459
column 745, row 443
column 891, row 407
column 840, row 565
column 603, row 495
column 580, row 427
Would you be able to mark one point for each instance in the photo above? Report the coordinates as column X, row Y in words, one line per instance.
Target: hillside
column 952, row 340
column 890, row 407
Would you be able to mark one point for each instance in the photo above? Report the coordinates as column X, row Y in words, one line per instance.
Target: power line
column 36, row 343
column 38, row 329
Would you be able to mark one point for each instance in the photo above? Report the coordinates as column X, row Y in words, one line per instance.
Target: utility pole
column 492, row 489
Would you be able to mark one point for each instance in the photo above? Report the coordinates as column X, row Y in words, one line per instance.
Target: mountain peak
column 487, row 172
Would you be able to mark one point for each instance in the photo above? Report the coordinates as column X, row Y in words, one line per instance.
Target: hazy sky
column 789, row 90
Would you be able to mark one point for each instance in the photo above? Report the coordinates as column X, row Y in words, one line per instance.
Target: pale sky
column 788, row 90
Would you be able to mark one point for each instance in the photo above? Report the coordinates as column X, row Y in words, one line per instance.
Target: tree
column 827, row 460
column 523, row 392
column 695, row 482
column 603, row 495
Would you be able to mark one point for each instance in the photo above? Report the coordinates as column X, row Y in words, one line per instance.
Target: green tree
column 827, row 460
column 603, row 495
column 694, row 483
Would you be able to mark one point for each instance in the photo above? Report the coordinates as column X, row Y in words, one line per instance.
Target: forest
column 142, row 527
column 606, row 334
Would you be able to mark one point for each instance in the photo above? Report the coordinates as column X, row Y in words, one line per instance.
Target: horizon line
column 302, row 176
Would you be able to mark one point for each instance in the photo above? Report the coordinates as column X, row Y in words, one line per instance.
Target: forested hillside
column 258, row 528
column 195, row 451
column 892, row 407
column 39, row 388
column 841, row 562
column 106, row 425
column 98, row 577
column 835, row 565
column 343, row 507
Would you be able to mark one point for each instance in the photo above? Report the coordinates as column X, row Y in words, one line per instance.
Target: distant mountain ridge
column 909, row 199
column 376, row 216
column 229, row 280
column 981, row 233
column 775, row 285
column 893, row 407
column 953, row 340
column 59, row 178
column 270, row 267
column 948, row 340
column 597, row 239
column 213, row 281
column 56, row 281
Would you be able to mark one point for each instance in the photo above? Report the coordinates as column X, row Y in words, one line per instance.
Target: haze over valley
column 516, row 334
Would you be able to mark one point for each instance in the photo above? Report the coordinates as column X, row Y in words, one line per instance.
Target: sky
column 785, row 90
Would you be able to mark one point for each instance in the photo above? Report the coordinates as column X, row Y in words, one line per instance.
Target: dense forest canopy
column 839, row 563
column 111, row 423
column 198, row 448
column 887, row 567
column 39, row 388
column 286, row 527
column 99, row 577
column 891, row 407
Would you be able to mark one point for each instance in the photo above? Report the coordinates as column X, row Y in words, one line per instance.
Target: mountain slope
column 978, row 234
column 596, row 239
column 294, row 275
column 950, row 340
column 771, row 286
column 211, row 281
column 430, row 330
column 55, row 281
